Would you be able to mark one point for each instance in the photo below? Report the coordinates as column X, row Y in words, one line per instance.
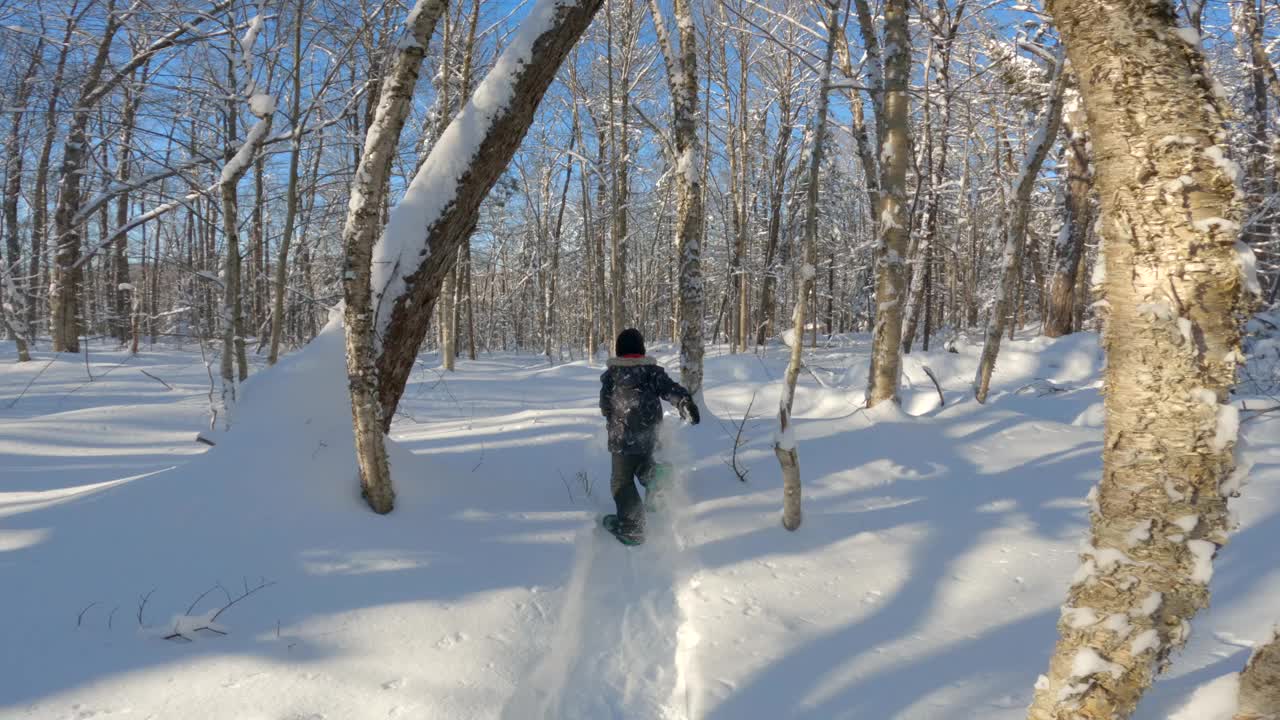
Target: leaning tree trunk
column 1260, row 683
column 364, row 220
column 1016, row 240
column 891, row 214
column 1176, row 295
column 784, row 446
column 1060, row 314
column 420, row 243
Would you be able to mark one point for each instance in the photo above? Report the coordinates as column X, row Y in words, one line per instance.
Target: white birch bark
column 784, row 445
column 368, row 192
column 1016, row 237
column 682, row 78
column 1176, row 294
column 234, row 364
column 1259, row 697
column 891, row 214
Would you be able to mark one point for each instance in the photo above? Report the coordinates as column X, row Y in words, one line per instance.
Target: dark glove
column 689, row 411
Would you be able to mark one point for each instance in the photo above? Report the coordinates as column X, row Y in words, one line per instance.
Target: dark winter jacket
column 629, row 393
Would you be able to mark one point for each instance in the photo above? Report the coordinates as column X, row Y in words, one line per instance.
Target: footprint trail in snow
column 623, row 645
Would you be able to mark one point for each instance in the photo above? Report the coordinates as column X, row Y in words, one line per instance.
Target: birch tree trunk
column 120, row 286
column 1247, row 25
column 291, row 193
column 944, row 26
column 682, row 77
column 891, row 213
column 1016, row 239
column 39, row 195
column 769, row 281
column 363, row 222
column 1176, row 295
column 784, row 445
column 235, row 365
column 1260, row 683
column 618, row 186
column 550, row 337
column 1060, row 314
column 448, row 333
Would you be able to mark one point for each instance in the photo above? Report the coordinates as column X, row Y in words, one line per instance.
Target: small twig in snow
column 248, row 591
column 80, row 617
column 153, row 377
column 737, row 442
column 942, row 401
column 567, row 489
column 196, row 602
column 29, row 384
column 142, row 605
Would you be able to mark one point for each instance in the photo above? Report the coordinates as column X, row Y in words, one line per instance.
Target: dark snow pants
column 626, row 470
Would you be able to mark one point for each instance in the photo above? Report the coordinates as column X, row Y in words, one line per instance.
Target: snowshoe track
column 623, row 645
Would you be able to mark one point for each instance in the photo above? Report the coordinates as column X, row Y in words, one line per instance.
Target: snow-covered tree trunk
column 291, row 193
column 120, row 285
column 235, row 365
column 441, row 205
column 39, row 194
column 618, row 144
column 682, row 78
column 784, row 445
column 944, row 25
column 1016, row 238
column 1078, row 209
column 769, row 281
column 1247, row 24
column 1259, row 697
column 891, row 214
column 364, row 220
column 448, row 315
column 14, row 295
column 64, row 291
column 551, row 337
column 1176, row 294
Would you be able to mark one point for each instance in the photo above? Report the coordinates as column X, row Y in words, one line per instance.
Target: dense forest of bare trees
column 120, row 120
column 474, row 177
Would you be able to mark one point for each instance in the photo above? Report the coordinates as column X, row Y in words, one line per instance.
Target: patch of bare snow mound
column 292, row 430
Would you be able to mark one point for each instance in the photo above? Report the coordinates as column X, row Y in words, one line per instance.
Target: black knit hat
column 630, row 342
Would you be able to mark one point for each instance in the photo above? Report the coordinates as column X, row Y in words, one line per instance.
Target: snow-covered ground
column 924, row 583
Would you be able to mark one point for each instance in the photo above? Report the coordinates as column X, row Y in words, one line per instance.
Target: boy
column 629, row 393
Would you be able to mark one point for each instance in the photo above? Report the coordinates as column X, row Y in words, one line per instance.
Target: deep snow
column 924, row 583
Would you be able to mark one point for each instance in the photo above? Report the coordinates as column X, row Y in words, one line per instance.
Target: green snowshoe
column 610, row 523
column 655, row 490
